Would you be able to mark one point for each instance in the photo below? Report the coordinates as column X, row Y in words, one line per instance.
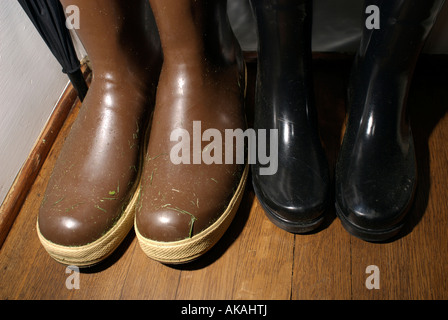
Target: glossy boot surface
column 376, row 170
column 88, row 206
column 184, row 208
column 296, row 196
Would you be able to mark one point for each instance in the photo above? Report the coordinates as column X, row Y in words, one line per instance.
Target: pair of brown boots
column 151, row 77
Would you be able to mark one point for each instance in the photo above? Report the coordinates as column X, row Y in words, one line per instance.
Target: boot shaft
column 117, row 34
column 284, row 31
column 385, row 63
column 404, row 28
column 195, row 31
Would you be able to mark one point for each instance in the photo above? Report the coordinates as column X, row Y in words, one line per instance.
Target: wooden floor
column 255, row 259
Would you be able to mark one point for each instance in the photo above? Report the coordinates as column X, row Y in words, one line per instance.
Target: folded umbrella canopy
column 49, row 19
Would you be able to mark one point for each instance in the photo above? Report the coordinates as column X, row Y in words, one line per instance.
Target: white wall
column 31, row 80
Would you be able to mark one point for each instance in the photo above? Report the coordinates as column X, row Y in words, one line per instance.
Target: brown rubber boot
column 184, row 208
column 88, row 206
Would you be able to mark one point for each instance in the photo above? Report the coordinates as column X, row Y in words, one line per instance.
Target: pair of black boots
column 375, row 174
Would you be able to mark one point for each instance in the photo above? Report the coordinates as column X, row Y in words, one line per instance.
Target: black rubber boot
column 376, row 170
column 296, row 195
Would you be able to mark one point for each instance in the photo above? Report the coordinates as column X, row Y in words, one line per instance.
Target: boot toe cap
column 295, row 211
column 165, row 224
column 373, row 214
column 72, row 229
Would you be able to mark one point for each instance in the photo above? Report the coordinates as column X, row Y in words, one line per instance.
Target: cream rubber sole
column 183, row 251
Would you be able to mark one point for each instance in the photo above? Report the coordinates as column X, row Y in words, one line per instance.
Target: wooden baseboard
column 25, row 178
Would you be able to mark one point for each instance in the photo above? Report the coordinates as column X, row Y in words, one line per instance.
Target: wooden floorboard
column 255, row 259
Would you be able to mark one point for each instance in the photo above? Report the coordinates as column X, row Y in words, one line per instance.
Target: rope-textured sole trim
column 189, row 249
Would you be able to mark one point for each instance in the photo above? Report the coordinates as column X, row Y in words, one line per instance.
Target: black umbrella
column 49, row 19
